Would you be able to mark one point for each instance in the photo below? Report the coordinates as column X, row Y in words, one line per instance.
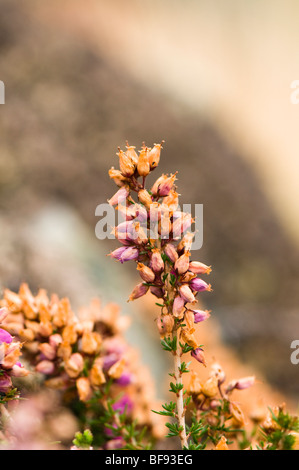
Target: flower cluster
column 85, row 356
column 214, row 406
column 154, row 234
column 10, row 366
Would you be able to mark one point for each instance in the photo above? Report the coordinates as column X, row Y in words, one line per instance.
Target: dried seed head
column 117, row 369
column 126, row 164
column 210, row 387
column 194, row 387
column 154, row 155
column 145, row 272
column 74, row 365
column 145, row 198
column 84, row 388
column 222, row 445
column 143, row 164
column 182, row 263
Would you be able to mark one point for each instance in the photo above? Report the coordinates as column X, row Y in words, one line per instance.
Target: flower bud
column 199, row 355
column 131, row 153
column 143, row 165
column 145, row 198
column 199, row 285
column 201, row 315
column 186, row 293
column 48, row 351
column 126, row 164
column 138, row 291
column 189, row 320
column 163, row 185
column 69, row 334
column 222, row 445
column 171, row 252
column 117, row 176
column 55, row 340
column 84, row 389
column 145, row 272
column 45, row 367
column 178, row 306
column 156, row 263
column 210, row 387
column 5, row 337
column 189, row 338
column 154, row 155
column 241, row 384
column 194, row 387
column 91, row 342
column 199, row 268
column 97, row 376
column 182, row 263
column 18, row 371
column 157, row 291
column 120, row 196
column 165, row 324
column 3, row 314
column 74, row 365
column 117, row 369
column 217, row 371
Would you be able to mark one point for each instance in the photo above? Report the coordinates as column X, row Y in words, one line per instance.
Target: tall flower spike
column 163, row 258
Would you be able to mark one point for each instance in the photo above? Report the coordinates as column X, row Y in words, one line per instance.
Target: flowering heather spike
column 164, row 261
column 199, row 268
column 199, row 285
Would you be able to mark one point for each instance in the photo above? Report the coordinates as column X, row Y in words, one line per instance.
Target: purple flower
column 5, row 337
column 199, row 285
column 125, row 379
column 201, row 315
column 199, row 355
column 123, row 404
column 109, row 360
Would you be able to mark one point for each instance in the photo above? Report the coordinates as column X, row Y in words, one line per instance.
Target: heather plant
column 86, row 358
column 154, row 232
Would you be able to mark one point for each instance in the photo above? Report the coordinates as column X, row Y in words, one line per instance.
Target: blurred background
column 210, row 78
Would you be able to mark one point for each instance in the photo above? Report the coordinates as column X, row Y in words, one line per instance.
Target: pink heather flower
column 109, row 360
column 199, row 285
column 3, row 314
column 157, row 291
column 186, row 293
column 181, row 222
column 178, row 306
column 55, row 340
column 123, row 404
column 138, row 291
column 171, row 252
column 244, row 383
column 116, row 254
column 182, row 263
column 199, row 355
column 5, row 382
column 240, row 384
column 201, row 315
column 199, row 268
column 125, row 379
column 18, row 370
column 156, row 263
column 163, row 185
column 120, row 196
column 45, row 367
column 124, row 253
column 5, row 337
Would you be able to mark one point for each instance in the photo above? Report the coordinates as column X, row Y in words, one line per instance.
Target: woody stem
column 180, row 395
